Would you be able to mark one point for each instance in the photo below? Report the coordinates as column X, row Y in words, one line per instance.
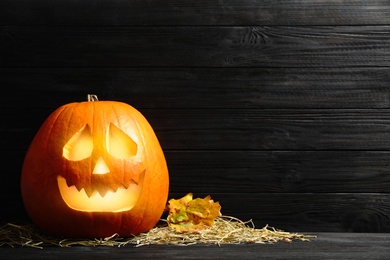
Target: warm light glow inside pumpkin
column 79, row 147
column 120, row 200
column 119, row 144
column 100, row 167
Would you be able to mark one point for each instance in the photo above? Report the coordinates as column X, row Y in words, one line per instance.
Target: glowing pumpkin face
column 94, row 169
column 102, row 197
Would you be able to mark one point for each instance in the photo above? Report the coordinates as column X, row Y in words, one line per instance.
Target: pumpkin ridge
column 125, row 180
column 147, row 159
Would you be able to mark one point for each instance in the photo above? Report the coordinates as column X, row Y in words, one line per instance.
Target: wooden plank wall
column 278, row 109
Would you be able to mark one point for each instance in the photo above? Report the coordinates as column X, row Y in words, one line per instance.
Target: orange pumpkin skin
column 146, row 170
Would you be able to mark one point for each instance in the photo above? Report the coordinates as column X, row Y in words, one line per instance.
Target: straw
column 226, row 230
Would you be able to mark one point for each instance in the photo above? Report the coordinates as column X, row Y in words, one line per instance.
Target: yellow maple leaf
column 192, row 215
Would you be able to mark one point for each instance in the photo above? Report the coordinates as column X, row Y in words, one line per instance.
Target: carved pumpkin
column 95, row 169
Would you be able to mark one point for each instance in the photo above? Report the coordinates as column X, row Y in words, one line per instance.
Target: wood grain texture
column 359, row 212
column 279, row 171
column 243, row 129
column 206, row 46
column 272, row 129
column 260, row 171
column 291, row 190
column 211, row 88
column 188, row 12
column 333, row 212
column 346, row 246
column 278, row 109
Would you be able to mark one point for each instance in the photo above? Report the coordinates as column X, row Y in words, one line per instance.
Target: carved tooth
column 112, row 202
column 103, row 192
column 89, row 191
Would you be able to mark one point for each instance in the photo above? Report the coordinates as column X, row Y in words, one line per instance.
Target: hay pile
column 226, row 230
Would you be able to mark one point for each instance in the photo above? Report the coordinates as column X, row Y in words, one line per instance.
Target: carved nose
column 100, row 167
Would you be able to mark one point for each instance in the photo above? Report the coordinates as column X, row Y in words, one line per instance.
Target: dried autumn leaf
column 192, row 215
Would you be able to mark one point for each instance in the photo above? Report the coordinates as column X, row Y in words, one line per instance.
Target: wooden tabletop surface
column 325, row 246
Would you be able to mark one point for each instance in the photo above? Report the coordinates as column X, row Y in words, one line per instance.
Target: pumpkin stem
column 92, row 97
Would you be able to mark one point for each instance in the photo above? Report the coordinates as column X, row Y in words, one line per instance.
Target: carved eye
column 79, row 146
column 119, row 144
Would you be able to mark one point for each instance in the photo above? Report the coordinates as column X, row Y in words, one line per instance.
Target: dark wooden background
column 277, row 109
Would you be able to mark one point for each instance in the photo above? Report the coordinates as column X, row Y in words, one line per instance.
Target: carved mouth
column 121, row 200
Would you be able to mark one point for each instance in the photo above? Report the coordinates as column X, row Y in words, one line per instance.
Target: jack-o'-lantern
column 94, row 169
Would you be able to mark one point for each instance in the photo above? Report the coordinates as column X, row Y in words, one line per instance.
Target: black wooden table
column 325, row 246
